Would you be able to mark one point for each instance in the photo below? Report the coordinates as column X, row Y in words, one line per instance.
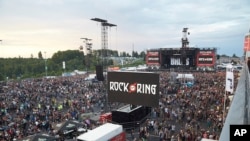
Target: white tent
column 185, row 76
column 187, row 79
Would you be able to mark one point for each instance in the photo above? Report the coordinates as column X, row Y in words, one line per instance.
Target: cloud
column 146, row 24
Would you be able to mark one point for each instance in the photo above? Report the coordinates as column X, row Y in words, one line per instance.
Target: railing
column 239, row 112
column 247, row 95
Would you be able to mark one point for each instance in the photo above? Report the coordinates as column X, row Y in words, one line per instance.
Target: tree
column 218, row 57
column 142, row 54
column 115, row 53
column 123, row 54
column 40, row 55
column 234, row 56
column 1, row 77
column 223, row 55
column 35, row 67
column 135, row 54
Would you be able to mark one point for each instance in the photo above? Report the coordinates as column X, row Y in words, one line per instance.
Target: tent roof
column 186, row 76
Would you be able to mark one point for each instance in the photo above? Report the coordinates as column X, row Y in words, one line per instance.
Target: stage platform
column 130, row 116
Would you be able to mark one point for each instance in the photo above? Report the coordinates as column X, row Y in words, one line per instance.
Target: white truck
column 105, row 132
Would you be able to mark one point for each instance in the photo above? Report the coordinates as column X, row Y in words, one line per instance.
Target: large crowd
column 185, row 113
column 34, row 105
column 190, row 113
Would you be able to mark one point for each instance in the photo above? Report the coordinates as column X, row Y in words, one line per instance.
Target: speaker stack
column 99, row 72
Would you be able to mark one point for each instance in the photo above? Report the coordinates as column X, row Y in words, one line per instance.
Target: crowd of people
column 191, row 112
column 34, row 105
column 185, row 113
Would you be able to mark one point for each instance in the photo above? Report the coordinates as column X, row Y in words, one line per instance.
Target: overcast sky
column 30, row 26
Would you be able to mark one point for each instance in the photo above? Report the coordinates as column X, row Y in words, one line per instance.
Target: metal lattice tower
column 104, row 34
column 88, row 45
column 104, row 39
column 184, row 39
column 88, row 51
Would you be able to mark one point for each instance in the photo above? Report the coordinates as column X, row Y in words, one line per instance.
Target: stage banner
column 229, row 79
column 137, row 88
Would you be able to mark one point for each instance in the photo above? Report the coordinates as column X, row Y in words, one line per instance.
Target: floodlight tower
column 184, row 39
column 104, row 42
column 88, row 45
column 185, row 43
column 104, row 35
column 88, row 51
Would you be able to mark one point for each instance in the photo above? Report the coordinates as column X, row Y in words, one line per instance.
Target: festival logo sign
column 138, row 88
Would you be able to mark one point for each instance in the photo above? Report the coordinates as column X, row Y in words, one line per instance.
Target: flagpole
column 224, row 108
column 228, row 87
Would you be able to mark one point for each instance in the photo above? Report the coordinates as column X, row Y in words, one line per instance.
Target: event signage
column 229, row 79
column 206, row 58
column 137, row 88
column 178, row 62
column 152, row 58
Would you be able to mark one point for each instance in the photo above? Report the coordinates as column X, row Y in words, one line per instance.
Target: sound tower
column 99, row 72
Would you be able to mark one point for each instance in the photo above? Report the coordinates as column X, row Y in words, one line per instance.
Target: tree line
column 15, row 68
column 18, row 68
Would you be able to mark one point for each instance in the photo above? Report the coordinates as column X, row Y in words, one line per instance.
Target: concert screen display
column 173, row 58
column 206, row 58
column 137, row 88
column 153, row 57
column 177, row 61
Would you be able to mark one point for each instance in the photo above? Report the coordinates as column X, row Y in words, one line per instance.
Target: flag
column 229, row 79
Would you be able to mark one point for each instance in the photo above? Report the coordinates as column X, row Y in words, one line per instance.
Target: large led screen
column 152, row 57
column 206, row 58
column 137, row 88
column 177, row 57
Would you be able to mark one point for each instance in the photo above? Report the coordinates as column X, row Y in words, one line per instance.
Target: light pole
column 45, row 64
column 104, row 38
column 88, row 47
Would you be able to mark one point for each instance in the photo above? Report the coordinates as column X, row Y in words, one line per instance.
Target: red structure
column 107, row 117
column 206, row 58
column 119, row 137
column 247, row 42
column 153, row 59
